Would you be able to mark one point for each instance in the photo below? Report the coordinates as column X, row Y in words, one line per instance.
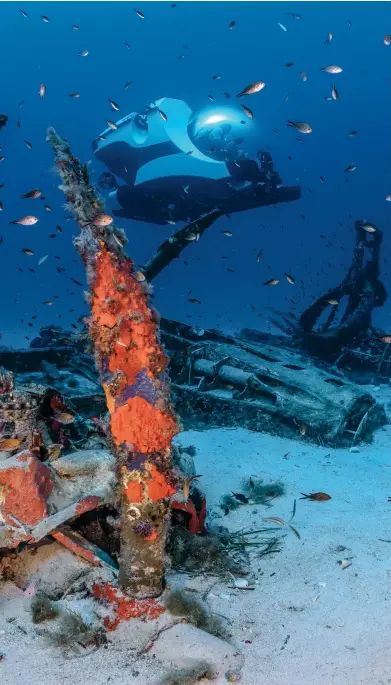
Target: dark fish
column 32, row 194
column 128, row 84
column 162, row 114
column 351, row 167
column 300, row 126
column 241, row 498
column 45, row 19
column 259, row 255
column 27, row 251
column 272, row 281
column 139, row 14
column 193, row 300
column 23, row 13
column 74, row 280
column 289, row 278
column 232, row 24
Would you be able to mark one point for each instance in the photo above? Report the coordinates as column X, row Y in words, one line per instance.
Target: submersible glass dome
column 222, row 133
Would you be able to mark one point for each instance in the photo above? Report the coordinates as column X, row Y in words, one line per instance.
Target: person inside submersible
column 177, row 164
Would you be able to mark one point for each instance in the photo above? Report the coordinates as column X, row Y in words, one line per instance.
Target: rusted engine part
column 262, row 388
column 364, row 291
column 370, row 362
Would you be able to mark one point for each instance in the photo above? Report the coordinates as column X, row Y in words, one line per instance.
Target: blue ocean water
column 36, row 52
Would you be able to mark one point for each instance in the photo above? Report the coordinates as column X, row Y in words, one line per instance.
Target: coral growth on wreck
column 131, row 363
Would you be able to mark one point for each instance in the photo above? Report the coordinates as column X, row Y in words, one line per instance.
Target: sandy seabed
column 308, row 621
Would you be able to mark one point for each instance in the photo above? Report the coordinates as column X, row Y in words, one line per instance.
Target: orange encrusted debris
column 119, row 302
column 123, row 608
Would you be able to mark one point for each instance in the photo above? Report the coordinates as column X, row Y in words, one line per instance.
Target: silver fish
column 111, row 124
column 248, row 111
column 26, row 221
column 332, row 69
column 114, row 105
column 252, row 88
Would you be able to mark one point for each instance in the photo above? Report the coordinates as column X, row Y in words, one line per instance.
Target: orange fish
column 9, row 444
column 316, row 496
column 186, row 485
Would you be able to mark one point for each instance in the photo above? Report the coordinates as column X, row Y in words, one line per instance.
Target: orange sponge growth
column 142, row 425
column 126, row 337
column 119, row 302
column 123, row 608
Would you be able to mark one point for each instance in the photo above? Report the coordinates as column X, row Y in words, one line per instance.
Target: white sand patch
column 338, row 621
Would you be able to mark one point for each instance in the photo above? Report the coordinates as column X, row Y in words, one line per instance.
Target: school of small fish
column 302, row 128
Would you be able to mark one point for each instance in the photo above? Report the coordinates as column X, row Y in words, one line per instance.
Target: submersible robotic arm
column 178, row 165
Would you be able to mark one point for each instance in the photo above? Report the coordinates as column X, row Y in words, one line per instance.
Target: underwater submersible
column 177, row 164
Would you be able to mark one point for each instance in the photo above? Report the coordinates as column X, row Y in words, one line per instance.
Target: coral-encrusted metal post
column 131, row 363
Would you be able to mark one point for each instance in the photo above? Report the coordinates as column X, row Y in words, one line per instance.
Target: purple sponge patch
column 142, row 387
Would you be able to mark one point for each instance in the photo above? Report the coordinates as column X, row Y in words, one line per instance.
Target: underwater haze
column 173, row 50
